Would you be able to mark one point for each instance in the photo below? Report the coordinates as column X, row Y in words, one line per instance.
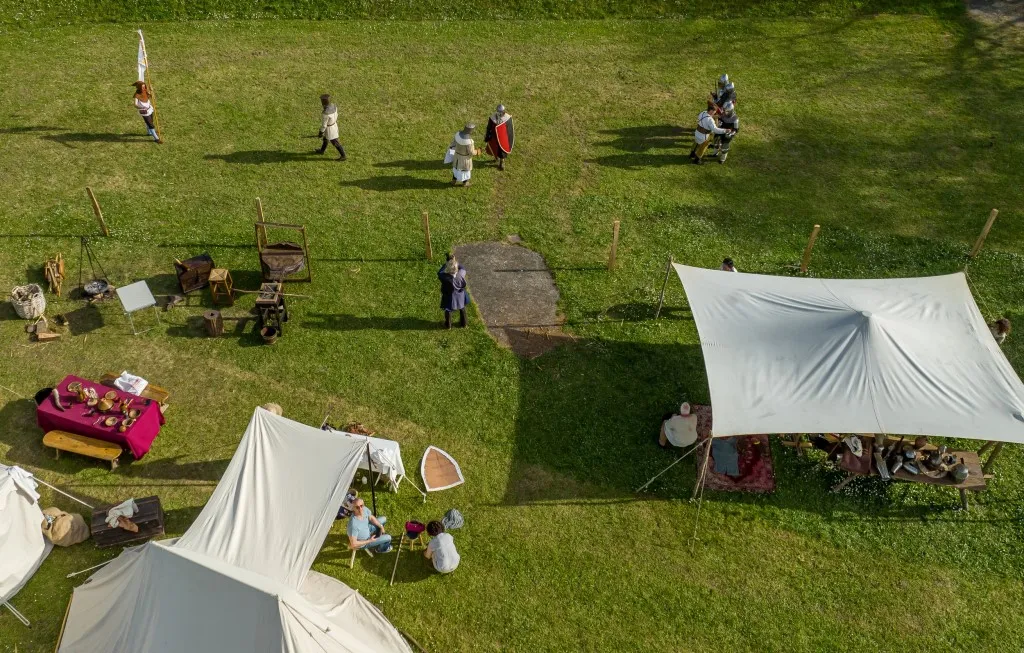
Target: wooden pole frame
column 664, row 284
column 426, row 235
column 149, row 85
column 99, row 212
column 984, row 234
column 806, row 260
column 612, row 255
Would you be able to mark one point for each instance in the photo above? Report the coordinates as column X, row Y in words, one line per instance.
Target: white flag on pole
column 142, row 58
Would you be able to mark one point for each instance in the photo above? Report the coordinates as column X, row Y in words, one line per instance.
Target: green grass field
column 896, row 133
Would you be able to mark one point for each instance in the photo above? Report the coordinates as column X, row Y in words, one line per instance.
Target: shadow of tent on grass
column 589, row 415
column 587, row 427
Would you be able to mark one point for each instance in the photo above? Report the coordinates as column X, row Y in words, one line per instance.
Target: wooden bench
column 152, row 392
column 83, row 445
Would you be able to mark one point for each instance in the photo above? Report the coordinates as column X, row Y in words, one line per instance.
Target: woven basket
column 28, row 301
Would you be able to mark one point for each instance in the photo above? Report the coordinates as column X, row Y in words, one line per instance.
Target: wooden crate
column 149, row 519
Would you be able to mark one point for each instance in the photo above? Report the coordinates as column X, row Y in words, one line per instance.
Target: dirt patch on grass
column 516, row 295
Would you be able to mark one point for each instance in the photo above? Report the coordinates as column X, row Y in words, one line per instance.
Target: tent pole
column 699, row 485
column 664, row 284
column 64, row 623
column 679, row 459
column 369, row 470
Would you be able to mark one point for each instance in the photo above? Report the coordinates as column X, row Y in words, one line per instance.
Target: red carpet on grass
column 755, row 460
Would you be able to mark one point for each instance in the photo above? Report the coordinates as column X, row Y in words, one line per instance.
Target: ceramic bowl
column 104, row 405
column 110, row 421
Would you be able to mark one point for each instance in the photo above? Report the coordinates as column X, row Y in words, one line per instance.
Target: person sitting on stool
column 441, row 550
column 366, row 531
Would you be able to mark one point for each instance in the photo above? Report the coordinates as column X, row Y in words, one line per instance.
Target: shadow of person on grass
column 645, row 137
column 70, row 138
column 398, row 182
column 257, row 157
column 412, row 566
column 411, row 164
column 341, row 322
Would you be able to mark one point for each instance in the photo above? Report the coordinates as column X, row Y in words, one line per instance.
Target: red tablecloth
column 139, row 436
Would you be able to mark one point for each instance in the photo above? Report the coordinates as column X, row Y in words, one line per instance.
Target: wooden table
column 975, row 479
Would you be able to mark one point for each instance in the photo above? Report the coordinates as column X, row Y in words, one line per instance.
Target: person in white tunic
column 441, row 550
column 329, row 127
column 464, row 151
column 144, row 105
column 706, row 129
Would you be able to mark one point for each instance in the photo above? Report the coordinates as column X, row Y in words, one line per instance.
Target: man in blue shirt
column 366, row 531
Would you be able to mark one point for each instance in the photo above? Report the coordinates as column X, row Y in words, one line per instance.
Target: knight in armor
column 724, row 92
column 499, row 117
column 464, row 151
column 145, row 108
column 707, row 128
column 329, row 127
column 729, row 121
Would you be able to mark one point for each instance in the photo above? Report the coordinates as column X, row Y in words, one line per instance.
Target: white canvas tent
column 897, row 356
column 23, row 547
column 239, row 579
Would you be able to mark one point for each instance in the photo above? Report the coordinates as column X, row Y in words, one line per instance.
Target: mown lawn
column 896, row 134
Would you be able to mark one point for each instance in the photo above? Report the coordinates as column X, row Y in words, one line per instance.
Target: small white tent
column 798, row 355
column 239, row 579
column 23, row 547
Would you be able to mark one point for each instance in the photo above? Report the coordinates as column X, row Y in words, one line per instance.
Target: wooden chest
column 149, row 519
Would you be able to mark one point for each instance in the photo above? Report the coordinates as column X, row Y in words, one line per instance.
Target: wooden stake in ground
column 97, row 211
column 426, row 235
column 615, row 245
column 261, row 232
column 395, row 568
column 984, row 233
column 807, row 252
column 144, row 66
column 661, row 298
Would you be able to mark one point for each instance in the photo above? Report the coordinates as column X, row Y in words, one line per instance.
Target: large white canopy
column 902, row 356
column 23, row 547
column 239, row 579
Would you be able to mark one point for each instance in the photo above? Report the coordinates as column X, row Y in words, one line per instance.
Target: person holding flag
column 145, row 101
column 500, row 136
column 145, row 106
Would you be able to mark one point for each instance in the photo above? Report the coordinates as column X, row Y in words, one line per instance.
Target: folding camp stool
column 419, row 539
column 352, row 562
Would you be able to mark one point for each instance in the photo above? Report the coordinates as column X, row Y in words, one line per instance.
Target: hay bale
column 273, row 408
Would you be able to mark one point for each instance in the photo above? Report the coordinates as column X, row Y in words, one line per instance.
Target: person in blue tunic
column 453, row 290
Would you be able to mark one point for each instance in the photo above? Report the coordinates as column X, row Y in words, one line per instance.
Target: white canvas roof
column 23, row 547
column 901, row 356
column 239, row 579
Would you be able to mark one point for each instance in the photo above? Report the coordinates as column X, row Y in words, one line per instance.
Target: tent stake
column 807, row 252
column 984, row 234
column 664, row 284
column 395, row 568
